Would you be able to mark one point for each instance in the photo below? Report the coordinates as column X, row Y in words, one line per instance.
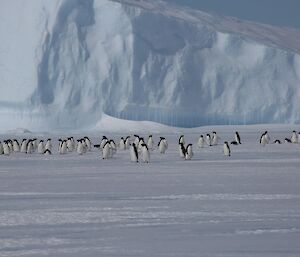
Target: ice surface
column 65, row 63
column 211, row 206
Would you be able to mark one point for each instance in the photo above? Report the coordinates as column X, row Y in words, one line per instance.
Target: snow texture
column 65, row 63
column 212, row 206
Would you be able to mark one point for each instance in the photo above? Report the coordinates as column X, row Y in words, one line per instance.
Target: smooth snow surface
column 63, row 63
column 213, row 206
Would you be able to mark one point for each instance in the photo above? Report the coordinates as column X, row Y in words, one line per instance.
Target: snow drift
column 63, row 63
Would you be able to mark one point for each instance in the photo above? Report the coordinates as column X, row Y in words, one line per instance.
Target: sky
column 284, row 13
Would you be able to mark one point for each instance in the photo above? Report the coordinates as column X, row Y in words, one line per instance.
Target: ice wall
column 64, row 63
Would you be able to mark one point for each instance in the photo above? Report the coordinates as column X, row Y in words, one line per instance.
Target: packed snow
column 245, row 205
column 63, row 64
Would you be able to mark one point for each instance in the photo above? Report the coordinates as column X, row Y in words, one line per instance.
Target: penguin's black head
column 214, row 132
column 150, row 135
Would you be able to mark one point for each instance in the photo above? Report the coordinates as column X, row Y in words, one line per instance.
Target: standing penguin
column 106, row 152
column 141, row 142
column 181, row 140
column 70, row 145
column 136, row 140
column 48, row 144
column 162, row 145
column 79, row 149
column 16, row 146
column 189, row 152
column 24, row 146
column 182, row 150
column 264, row 139
column 6, row 150
column 29, row 147
column 215, row 138
column 63, row 147
column 103, row 142
column 150, row 143
column 145, row 155
column 294, row 138
column 237, row 138
column 122, row 144
column 134, row 156
column 88, row 144
column 201, row 142
column 226, row 149
column 208, row 139
column 127, row 142
column 41, row 147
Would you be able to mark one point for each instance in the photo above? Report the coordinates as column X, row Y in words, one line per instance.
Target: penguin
column 145, row 155
column 41, row 147
column 214, row 140
column 267, row 137
column 127, row 142
column 106, row 151
column 287, row 140
column 1, row 149
column 103, row 142
column 29, row 148
column 70, row 146
column 181, row 140
column 6, row 150
column 136, row 140
column 34, row 144
column 141, row 141
column 122, row 144
column 113, row 147
column 208, row 139
column 277, row 141
column 294, row 138
column 201, row 141
column 150, row 142
column 63, row 148
column 24, row 146
column 264, row 139
column 84, row 145
column 48, row 144
column 59, row 144
column 237, row 137
column 88, row 143
column 162, row 145
column 47, row 152
column 10, row 145
column 189, row 152
column 134, row 156
column 16, row 146
column 182, row 150
column 79, row 147
column 226, row 149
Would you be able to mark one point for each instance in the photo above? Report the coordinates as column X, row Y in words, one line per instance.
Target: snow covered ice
column 246, row 205
column 63, row 64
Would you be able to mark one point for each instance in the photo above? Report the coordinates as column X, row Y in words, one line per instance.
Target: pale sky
column 276, row 12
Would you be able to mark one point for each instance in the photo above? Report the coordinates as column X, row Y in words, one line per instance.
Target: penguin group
column 139, row 148
column 210, row 140
column 293, row 139
column 185, row 152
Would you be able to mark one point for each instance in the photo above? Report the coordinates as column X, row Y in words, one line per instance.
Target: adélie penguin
column 201, row 141
column 145, row 155
column 237, row 137
column 181, row 150
column 150, row 142
column 134, row 156
column 226, row 149
column 189, row 152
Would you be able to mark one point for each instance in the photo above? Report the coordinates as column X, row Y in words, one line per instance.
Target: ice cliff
column 63, row 63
